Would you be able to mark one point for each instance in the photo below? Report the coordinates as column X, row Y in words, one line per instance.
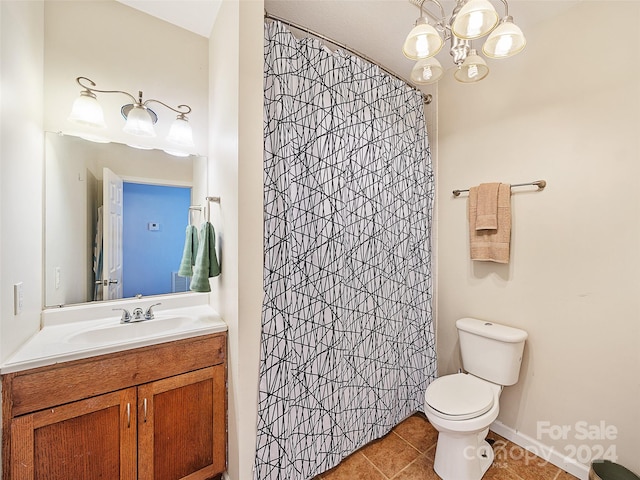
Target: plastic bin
column 607, row 470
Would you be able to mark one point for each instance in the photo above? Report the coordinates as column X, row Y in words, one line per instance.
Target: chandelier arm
column 177, row 109
column 91, row 89
column 429, row 14
column 506, row 8
column 440, row 7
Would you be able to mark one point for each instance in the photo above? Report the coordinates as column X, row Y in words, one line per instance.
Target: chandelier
column 469, row 21
column 140, row 119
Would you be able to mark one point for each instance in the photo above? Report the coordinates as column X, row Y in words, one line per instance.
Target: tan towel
column 491, row 245
column 487, row 206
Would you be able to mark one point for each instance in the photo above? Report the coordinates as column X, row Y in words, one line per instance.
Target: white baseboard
column 550, row 454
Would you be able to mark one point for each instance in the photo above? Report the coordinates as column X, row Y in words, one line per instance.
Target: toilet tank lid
column 493, row 330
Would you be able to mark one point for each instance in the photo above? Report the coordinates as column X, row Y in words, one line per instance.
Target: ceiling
column 375, row 28
column 196, row 16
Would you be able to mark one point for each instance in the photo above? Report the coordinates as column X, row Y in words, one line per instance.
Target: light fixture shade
column 427, row 70
column 139, row 122
column 473, row 69
column 423, row 41
column 506, row 40
column 475, row 19
column 180, row 132
column 87, row 111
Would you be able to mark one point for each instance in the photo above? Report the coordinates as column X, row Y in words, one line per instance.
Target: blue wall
column 149, row 256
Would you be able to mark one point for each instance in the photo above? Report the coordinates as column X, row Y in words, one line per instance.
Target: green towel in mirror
column 189, row 252
column 206, row 265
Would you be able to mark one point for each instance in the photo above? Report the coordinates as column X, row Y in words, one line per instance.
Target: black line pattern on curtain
column 347, row 346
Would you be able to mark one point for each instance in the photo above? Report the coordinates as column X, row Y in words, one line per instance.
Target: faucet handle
column 149, row 314
column 126, row 316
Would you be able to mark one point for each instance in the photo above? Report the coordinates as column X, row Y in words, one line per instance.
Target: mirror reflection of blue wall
column 154, row 221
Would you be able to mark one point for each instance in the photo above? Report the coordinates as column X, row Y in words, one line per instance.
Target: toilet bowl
column 461, row 406
column 462, row 421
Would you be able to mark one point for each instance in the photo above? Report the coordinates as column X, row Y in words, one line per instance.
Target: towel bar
column 538, row 183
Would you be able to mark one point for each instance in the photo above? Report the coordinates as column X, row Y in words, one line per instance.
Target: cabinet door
column 88, row 439
column 182, row 426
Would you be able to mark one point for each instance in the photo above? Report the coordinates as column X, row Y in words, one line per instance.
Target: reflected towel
column 491, row 245
column 189, row 252
column 487, row 207
column 206, row 260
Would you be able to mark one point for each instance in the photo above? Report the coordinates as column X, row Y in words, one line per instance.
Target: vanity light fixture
column 470, row 19
column 139, row 117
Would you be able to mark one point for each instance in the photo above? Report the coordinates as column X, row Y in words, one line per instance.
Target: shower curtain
column 347, row 346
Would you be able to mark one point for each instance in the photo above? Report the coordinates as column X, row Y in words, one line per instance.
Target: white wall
column 236, row 59
column 121, row 48
column 566, row 110
column 251, row 211
column 21, row 150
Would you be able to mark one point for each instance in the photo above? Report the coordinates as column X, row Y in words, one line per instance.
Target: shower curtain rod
column 538, row 183
column 426, row 96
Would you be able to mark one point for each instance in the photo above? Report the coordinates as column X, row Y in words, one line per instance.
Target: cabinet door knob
column 144, row 408
column 128, row 415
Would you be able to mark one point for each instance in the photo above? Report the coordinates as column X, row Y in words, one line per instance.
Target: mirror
column 155, row 190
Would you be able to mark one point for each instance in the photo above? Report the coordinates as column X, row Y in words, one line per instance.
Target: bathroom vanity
column 156, row 411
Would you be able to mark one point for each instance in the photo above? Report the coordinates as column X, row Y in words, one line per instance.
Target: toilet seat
column 460, row 396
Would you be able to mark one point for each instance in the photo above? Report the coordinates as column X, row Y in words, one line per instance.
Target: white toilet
column 463, row 405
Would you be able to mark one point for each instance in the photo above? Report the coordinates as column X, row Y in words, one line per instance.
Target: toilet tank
column 491, row 351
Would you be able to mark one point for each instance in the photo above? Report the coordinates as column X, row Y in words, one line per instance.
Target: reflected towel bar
column 538, row 183
column 206, row 210
column 191, row 208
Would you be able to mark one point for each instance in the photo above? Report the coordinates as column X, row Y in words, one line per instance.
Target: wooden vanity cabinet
column 157, row 412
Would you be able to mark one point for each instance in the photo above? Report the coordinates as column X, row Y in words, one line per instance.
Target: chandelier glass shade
column 423, row 41
column 470, row 20
column 473, row 69
column 475, row 19
column 506, row 40
column 427, row 70
column 140, row 119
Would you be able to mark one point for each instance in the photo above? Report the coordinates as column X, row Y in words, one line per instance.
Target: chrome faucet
column 149, row 313
column 126, row 316
column 137, row 315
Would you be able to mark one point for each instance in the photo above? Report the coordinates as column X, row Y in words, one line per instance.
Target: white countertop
column 60, row 341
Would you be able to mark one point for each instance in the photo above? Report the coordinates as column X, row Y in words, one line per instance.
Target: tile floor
column 407, row 453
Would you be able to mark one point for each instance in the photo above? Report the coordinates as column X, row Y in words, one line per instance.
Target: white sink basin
column 60, row 341
column 122, row 332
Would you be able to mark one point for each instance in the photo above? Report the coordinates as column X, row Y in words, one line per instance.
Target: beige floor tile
column 524, row 463
column 408, row 452
column 420, row 469
column 354, row 467
column 390, row 454
column 500, row 472
column 418, row 432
